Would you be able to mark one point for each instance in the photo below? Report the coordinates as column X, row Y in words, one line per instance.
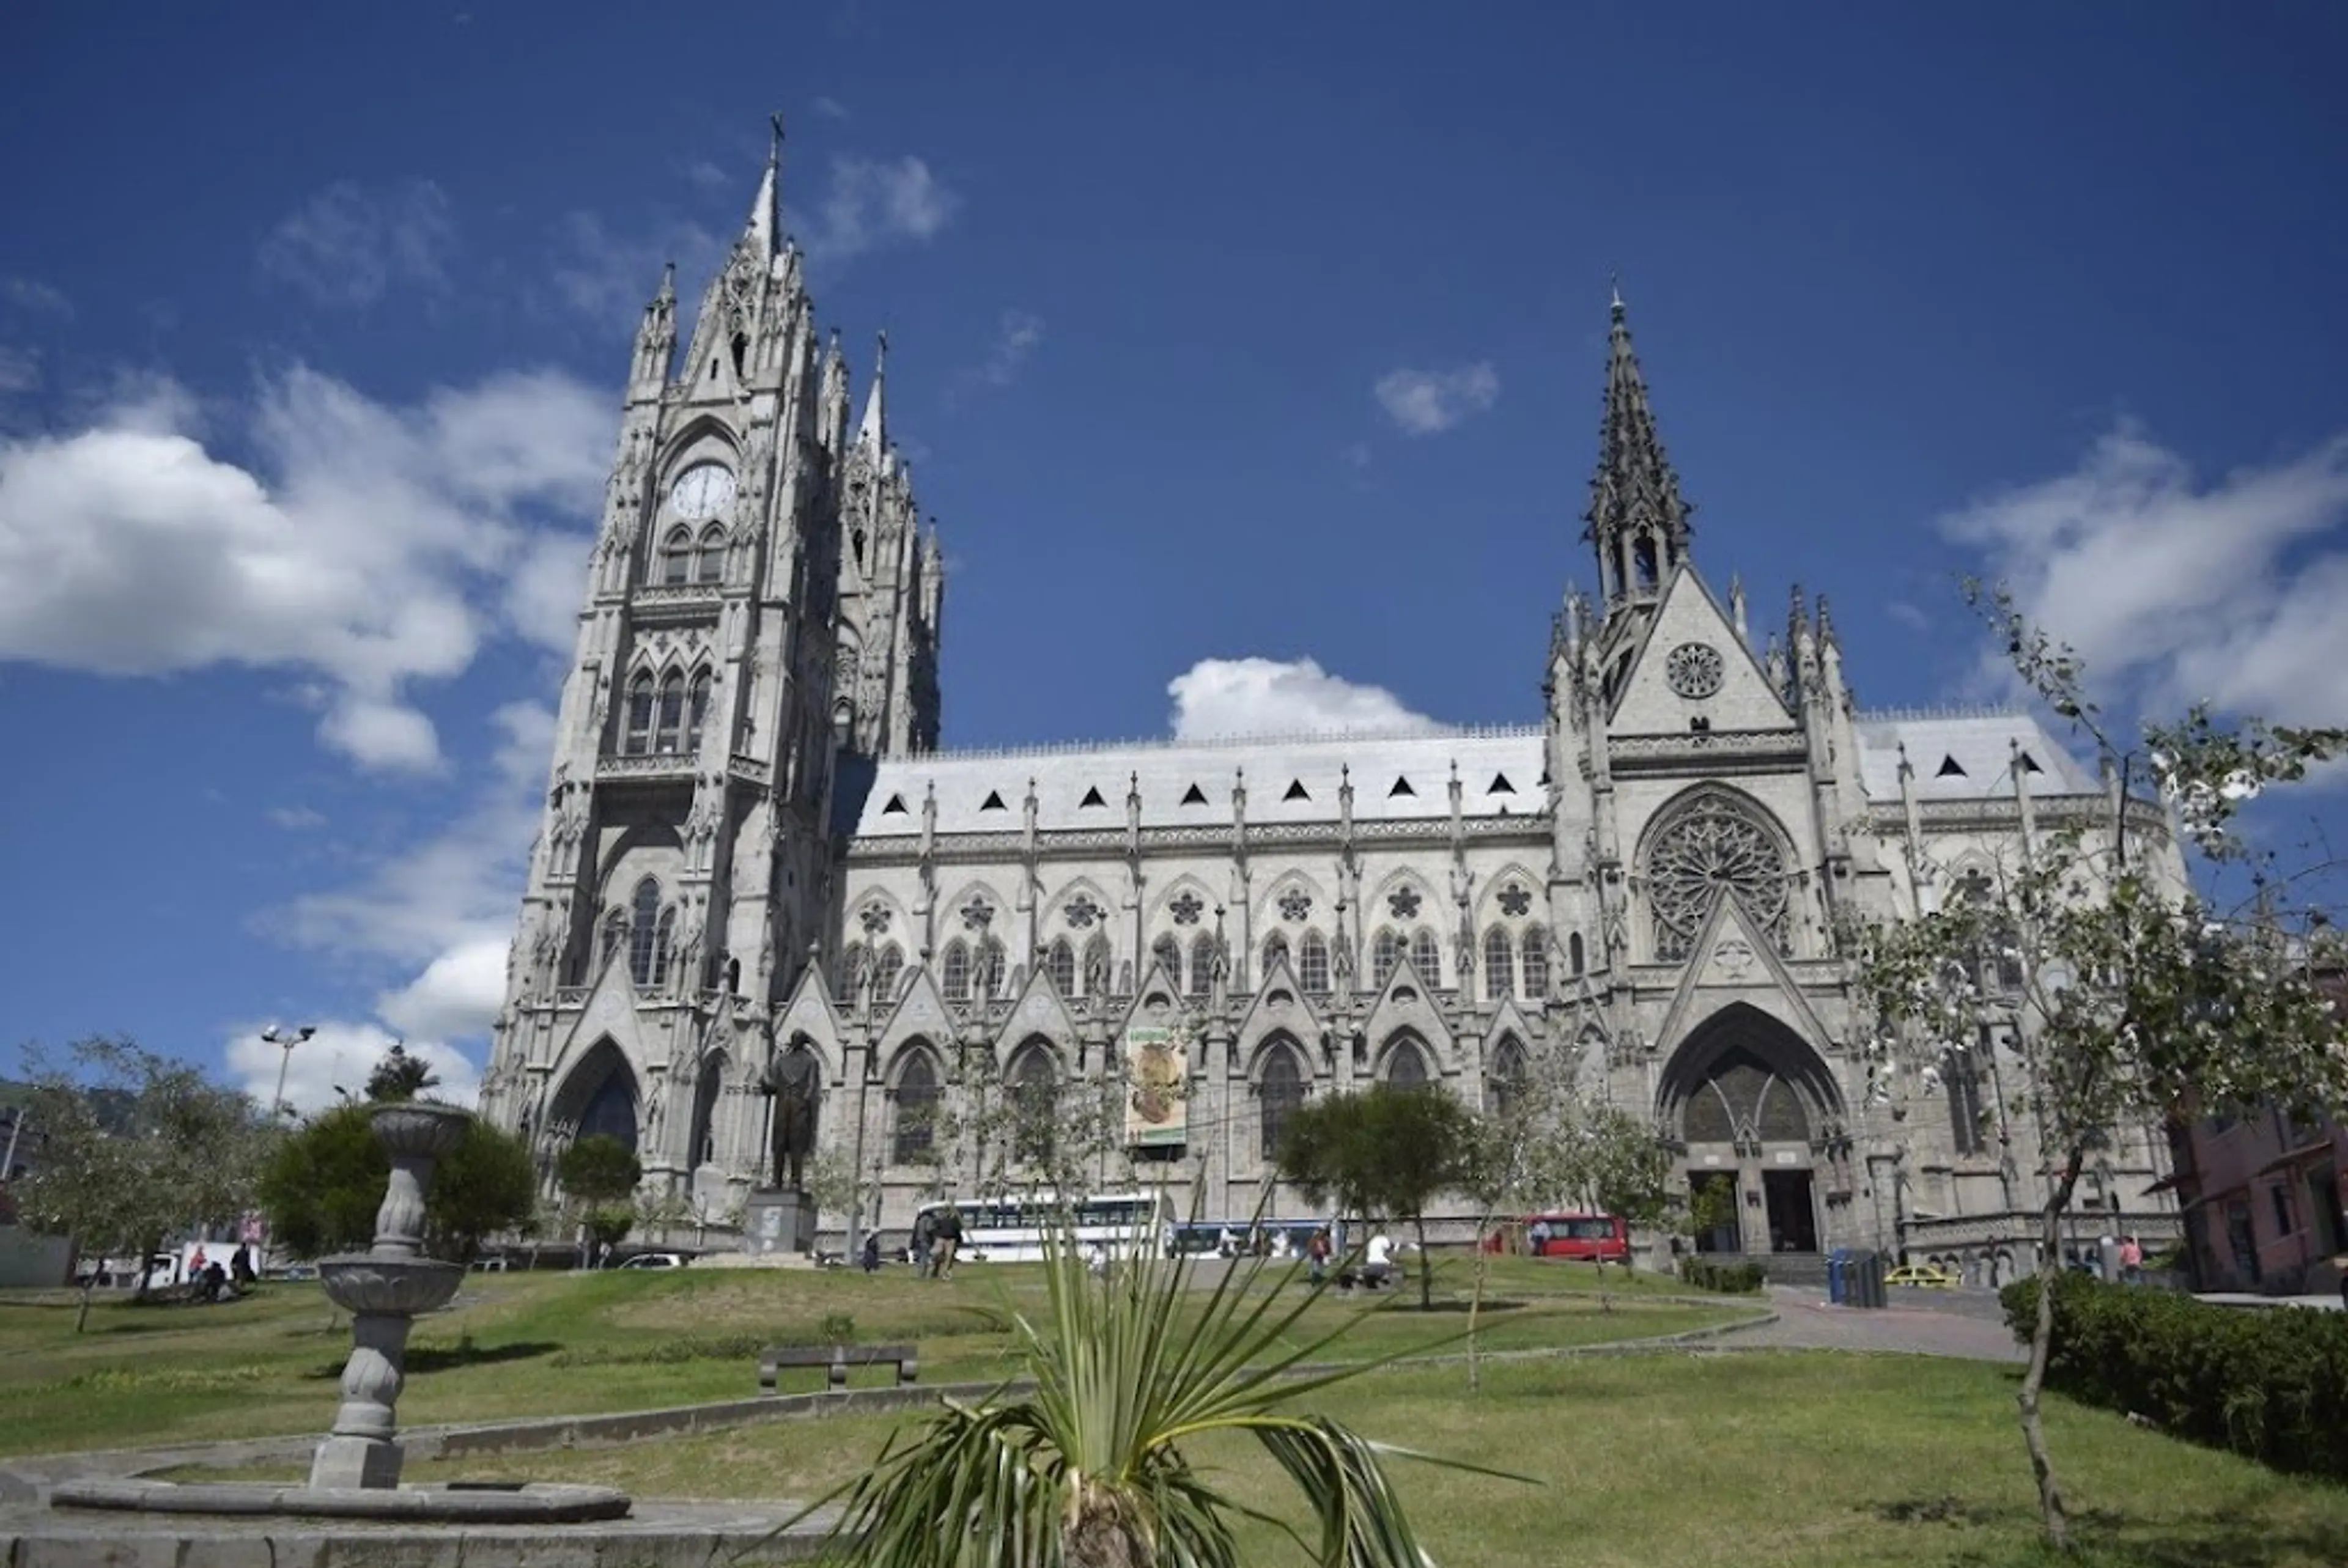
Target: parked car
column 655, row 1260
column 1925, row 1275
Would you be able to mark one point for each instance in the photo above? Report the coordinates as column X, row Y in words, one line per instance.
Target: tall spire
column 873, row 429
column 1638, row 520
column 765, row 229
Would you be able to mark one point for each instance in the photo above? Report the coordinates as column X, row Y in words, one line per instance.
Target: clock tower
column 677, row 885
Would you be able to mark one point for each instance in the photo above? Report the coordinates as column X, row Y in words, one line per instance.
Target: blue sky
column 1218, row 333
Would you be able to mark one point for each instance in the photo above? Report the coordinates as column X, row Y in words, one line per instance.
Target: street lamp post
column 286, row 1044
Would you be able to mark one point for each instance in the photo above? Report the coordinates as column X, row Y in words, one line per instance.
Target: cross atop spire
column 1637, row 518
column 873, row 429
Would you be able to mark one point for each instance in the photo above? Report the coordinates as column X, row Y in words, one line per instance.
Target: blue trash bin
column 1838, row 1277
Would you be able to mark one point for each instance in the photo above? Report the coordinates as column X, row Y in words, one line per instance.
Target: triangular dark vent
column 1950, row 769
column 994, row 801
column 1194, row 795
column 1092, row 797
column 896, row 806
column 1401, row 787
column 2030, row 764
column 1296, row 791
column 1499, row 785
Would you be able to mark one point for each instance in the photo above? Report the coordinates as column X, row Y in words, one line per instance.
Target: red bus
column 1590, row 1238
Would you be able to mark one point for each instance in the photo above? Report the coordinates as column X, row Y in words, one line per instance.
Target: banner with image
column 1157, row 1086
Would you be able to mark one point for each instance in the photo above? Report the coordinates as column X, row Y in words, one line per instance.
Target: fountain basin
column 413, row 1127
column 367, row 1282
column 536, row 1503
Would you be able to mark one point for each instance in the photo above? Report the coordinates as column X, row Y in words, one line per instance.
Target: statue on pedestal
column 791, row 1081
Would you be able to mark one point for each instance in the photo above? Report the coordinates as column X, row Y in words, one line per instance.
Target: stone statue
column 791, row 1082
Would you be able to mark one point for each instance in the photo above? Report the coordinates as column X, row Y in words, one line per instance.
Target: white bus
column 1012, row 1229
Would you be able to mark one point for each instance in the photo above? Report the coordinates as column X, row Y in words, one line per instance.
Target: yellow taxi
column 1927, row 1276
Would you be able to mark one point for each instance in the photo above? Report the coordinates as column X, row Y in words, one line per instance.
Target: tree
column 608, row 1224
column 1390, row 1150
column 399, row 1076
column 598, row 1169
column 323, row 1185
column 1092, row 1469
column 2120, row 994
column 136, row 1148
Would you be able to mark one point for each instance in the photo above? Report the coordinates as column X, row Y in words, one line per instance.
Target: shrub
column 2268, row 1383
column 1727, row 1279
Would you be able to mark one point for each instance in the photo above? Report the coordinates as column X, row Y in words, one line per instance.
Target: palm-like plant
column 1089, row 1470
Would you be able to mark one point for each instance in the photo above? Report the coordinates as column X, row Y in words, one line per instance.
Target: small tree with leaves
column 598, row 1169
column 135, row 1148
column 398, row 1076
column 1390, row 1151
column 2128, row 995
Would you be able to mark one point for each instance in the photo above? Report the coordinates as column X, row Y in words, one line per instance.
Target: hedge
column 1728, row 1278
column 2271, row 1383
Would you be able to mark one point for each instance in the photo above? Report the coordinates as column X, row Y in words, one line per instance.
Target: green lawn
column 1801, row 1460
column 552, row 1343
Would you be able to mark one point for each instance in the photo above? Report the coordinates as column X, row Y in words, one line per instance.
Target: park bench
column 836, row 1359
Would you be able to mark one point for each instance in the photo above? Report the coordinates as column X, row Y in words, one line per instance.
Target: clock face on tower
column 703, row 490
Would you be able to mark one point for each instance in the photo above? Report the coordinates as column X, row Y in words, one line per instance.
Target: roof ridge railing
column 1943, row 711
column 1221, row 742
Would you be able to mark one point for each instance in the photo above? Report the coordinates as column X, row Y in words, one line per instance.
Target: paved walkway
column 1936, row 1324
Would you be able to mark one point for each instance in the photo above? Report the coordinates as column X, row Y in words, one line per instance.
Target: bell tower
column 684, row 854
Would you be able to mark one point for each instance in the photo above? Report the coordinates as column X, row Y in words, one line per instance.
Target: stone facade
column 752, row 848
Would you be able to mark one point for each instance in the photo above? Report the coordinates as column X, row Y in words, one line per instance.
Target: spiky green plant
column 1089, row 1469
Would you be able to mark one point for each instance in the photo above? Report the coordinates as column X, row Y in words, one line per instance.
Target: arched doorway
column 599, row 1096
column 1744, row 1096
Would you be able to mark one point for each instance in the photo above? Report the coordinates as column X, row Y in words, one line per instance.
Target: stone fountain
column 383, row 1289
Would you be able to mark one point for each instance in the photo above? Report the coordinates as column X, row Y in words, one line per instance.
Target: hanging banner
column 1157, row 1102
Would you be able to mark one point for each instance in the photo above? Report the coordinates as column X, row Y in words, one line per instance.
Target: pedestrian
column 2131, row 1260
column 948, row 1240
column 1316, row 1255
column 872, row 1252
column 1377, row 1261
column 925, row 1231
column 1538, row 1236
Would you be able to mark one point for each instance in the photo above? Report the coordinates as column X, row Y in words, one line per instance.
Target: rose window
column 1404, row 903
column 1295, row 904
column 1186, row 908
column 1709, row 852
column 1082, row 912
column 1515, row 900
column 875, row 918
column 1694, row 670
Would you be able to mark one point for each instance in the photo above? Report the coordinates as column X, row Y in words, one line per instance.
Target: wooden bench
column 836, row 1359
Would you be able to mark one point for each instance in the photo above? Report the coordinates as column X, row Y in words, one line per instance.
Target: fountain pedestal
column 383, row 1289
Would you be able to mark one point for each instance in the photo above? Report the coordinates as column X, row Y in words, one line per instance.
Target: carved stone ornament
column 978, row 914
column 1404, row 903
column 874, row 918
column 1186, row 908
column 1295, row 905
column 1515, row 900
column 1694, row 670
column 1082, row 912
column 1707, row 853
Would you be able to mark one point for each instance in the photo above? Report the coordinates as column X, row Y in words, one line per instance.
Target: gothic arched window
column 1500, row 965
column 711, row 567
column 886, row 969
column 852, row 960
column 1167, row 951
column 1707, row 851
column 1427, row 956
column 914, row 1140
column 1097, row 965
column 1275, row 951
column 615, row 932
column 644, row 930
column 955, row 971
column 1035, row 1097
column 671, row 715
column 1407, row 1065
column 1574, row 959
column 677, row 558
column 1203, row 964
column 1504, row 1085
column 1536, row 945
column 1280, row 1093
column 662, row 944
column 1061, row 961
column 1385, row 952
column 1312, row 965
column 696, row 710
column 641, row 699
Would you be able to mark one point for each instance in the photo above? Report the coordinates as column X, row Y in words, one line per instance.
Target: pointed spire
column 1637, row 518
column 872, row 431
column 765, row 229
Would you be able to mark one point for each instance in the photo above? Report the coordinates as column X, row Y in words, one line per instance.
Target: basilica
column 758, row 866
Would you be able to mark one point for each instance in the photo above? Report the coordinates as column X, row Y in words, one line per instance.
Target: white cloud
column 607, row 276
column 707, row 175
column 350, row 245
column 340, row 1055
column 444, row 911
column 297, row 818
column 872, row 202
column 368, row 546
column 34, row 298
column 2227, row 592
column 20, row 370
column 1016, row 337
column 1222, row 697
column 830, row 108
column 1426, row 402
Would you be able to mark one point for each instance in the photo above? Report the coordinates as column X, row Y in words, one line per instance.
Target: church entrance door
column 1715, row 1198
column 1793, row 1218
